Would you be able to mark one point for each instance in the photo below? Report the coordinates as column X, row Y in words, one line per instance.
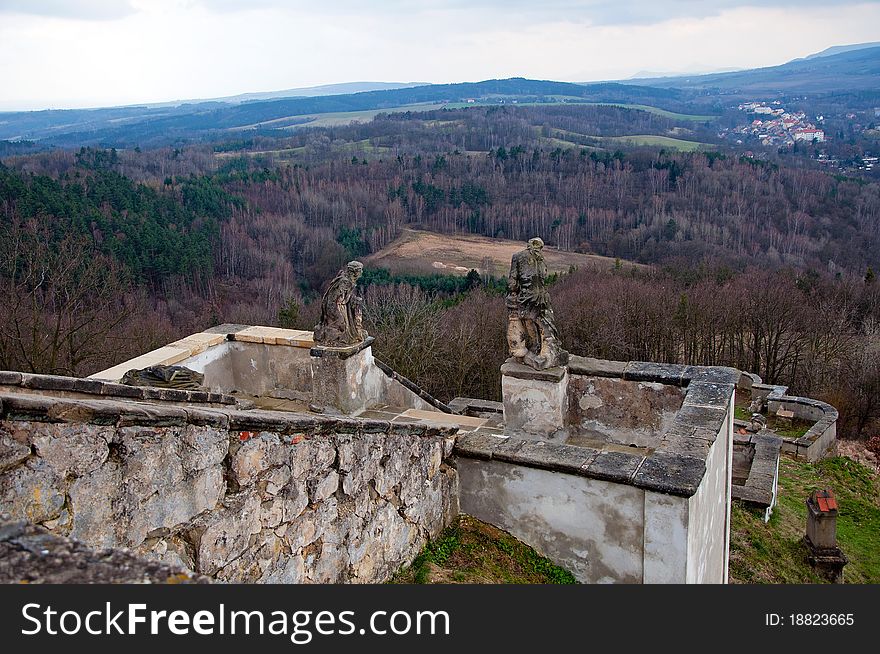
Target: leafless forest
column 766, row 265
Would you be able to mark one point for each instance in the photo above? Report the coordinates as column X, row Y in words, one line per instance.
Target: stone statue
column 531, row 328
column 341, row 318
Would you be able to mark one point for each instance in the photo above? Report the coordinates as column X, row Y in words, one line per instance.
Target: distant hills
column 325, row 89
column 842, row 68
column 128, row 126
column 839, row 49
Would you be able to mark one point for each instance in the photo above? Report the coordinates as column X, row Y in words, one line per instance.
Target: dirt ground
column 420, row 252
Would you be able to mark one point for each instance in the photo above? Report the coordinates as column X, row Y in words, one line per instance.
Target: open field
column 654, row 141
column 573, row 100
column 419, row 252
column 332, row 119
column 660, row 112
column 335, row 118
column 362, row 147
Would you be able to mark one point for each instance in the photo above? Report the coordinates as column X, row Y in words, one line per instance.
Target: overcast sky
column 84, row 53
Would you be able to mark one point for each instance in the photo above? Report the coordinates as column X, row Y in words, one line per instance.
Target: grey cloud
column 79, row 9
column 596, row 12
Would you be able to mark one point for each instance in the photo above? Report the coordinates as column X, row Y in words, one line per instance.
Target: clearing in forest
column 420, row 252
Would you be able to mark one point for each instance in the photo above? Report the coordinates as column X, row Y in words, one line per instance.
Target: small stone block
column 48, row 382
column 90, row 386
column 513, row 369
column 252, row 335
column 206, row 417
column 686, row 446
column 112, row 389
column 226, row 329
column 646, row 371
column 614, row 466
column 714, row 374
column 595, row 367
column 710, row 418
column 10, row 378
column 670, row 473
column 375, row 426
column 551, row 456
column 708, row 394
column 486, row 446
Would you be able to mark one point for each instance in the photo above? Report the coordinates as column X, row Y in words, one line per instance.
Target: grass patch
column 472, row 552
column 774, row 552
column 652, row 140
column 660, row 112
column 791, row 430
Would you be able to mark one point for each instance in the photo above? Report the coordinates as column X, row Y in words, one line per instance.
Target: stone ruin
column 311, row 461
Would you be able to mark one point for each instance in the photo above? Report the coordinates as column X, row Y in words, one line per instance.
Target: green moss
column 471, row 551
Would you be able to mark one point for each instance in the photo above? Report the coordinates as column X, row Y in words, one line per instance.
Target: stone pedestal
column 535, row 401
column 345, row 378
column 821, row 538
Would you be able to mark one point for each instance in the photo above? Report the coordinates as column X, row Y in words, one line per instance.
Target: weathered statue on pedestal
column 341, row 314
column 531, row 328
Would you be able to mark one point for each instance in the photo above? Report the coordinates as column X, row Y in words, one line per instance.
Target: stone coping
column 341, row 352
column 663, row 472
column 468, row 406
column 194, row 344
column 29, row 554
column 829, row 417
column 101, row 388
column 648, row 371
column 678, row 463
column 760, row 486
column 512, row 368
column 41, row 408
column 774, row 393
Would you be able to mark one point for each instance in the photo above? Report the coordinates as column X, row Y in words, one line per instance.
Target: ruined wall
column 591, row 527
column 620, row 411
column 262, row 369
column 609, row 512
column 240, row 496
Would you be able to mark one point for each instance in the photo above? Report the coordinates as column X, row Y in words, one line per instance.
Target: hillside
column 773, row 552
column 850, row 71
column 128, row 126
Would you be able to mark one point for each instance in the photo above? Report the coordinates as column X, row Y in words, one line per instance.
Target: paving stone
column 614, row 466
column 662, row 373
column 10, row 378
column 708, row 394
column 595, row 367
column 520, row 371
column 485, row 446
column 550, row 456
column 670, row 473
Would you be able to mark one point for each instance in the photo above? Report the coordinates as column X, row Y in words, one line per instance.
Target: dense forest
column 765, row 265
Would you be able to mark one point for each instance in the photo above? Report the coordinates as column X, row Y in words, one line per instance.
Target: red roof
column 825, row 500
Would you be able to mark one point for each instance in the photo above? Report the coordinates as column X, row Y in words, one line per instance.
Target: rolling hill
column 829, row 71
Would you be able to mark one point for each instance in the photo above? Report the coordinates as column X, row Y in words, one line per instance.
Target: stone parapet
column 76, row 387
column 238, row 496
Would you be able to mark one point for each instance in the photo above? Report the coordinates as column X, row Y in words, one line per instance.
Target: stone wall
column 239, row 496
column 262, row 361
column 621, row 411
column 820, row 438
column 610, row 512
